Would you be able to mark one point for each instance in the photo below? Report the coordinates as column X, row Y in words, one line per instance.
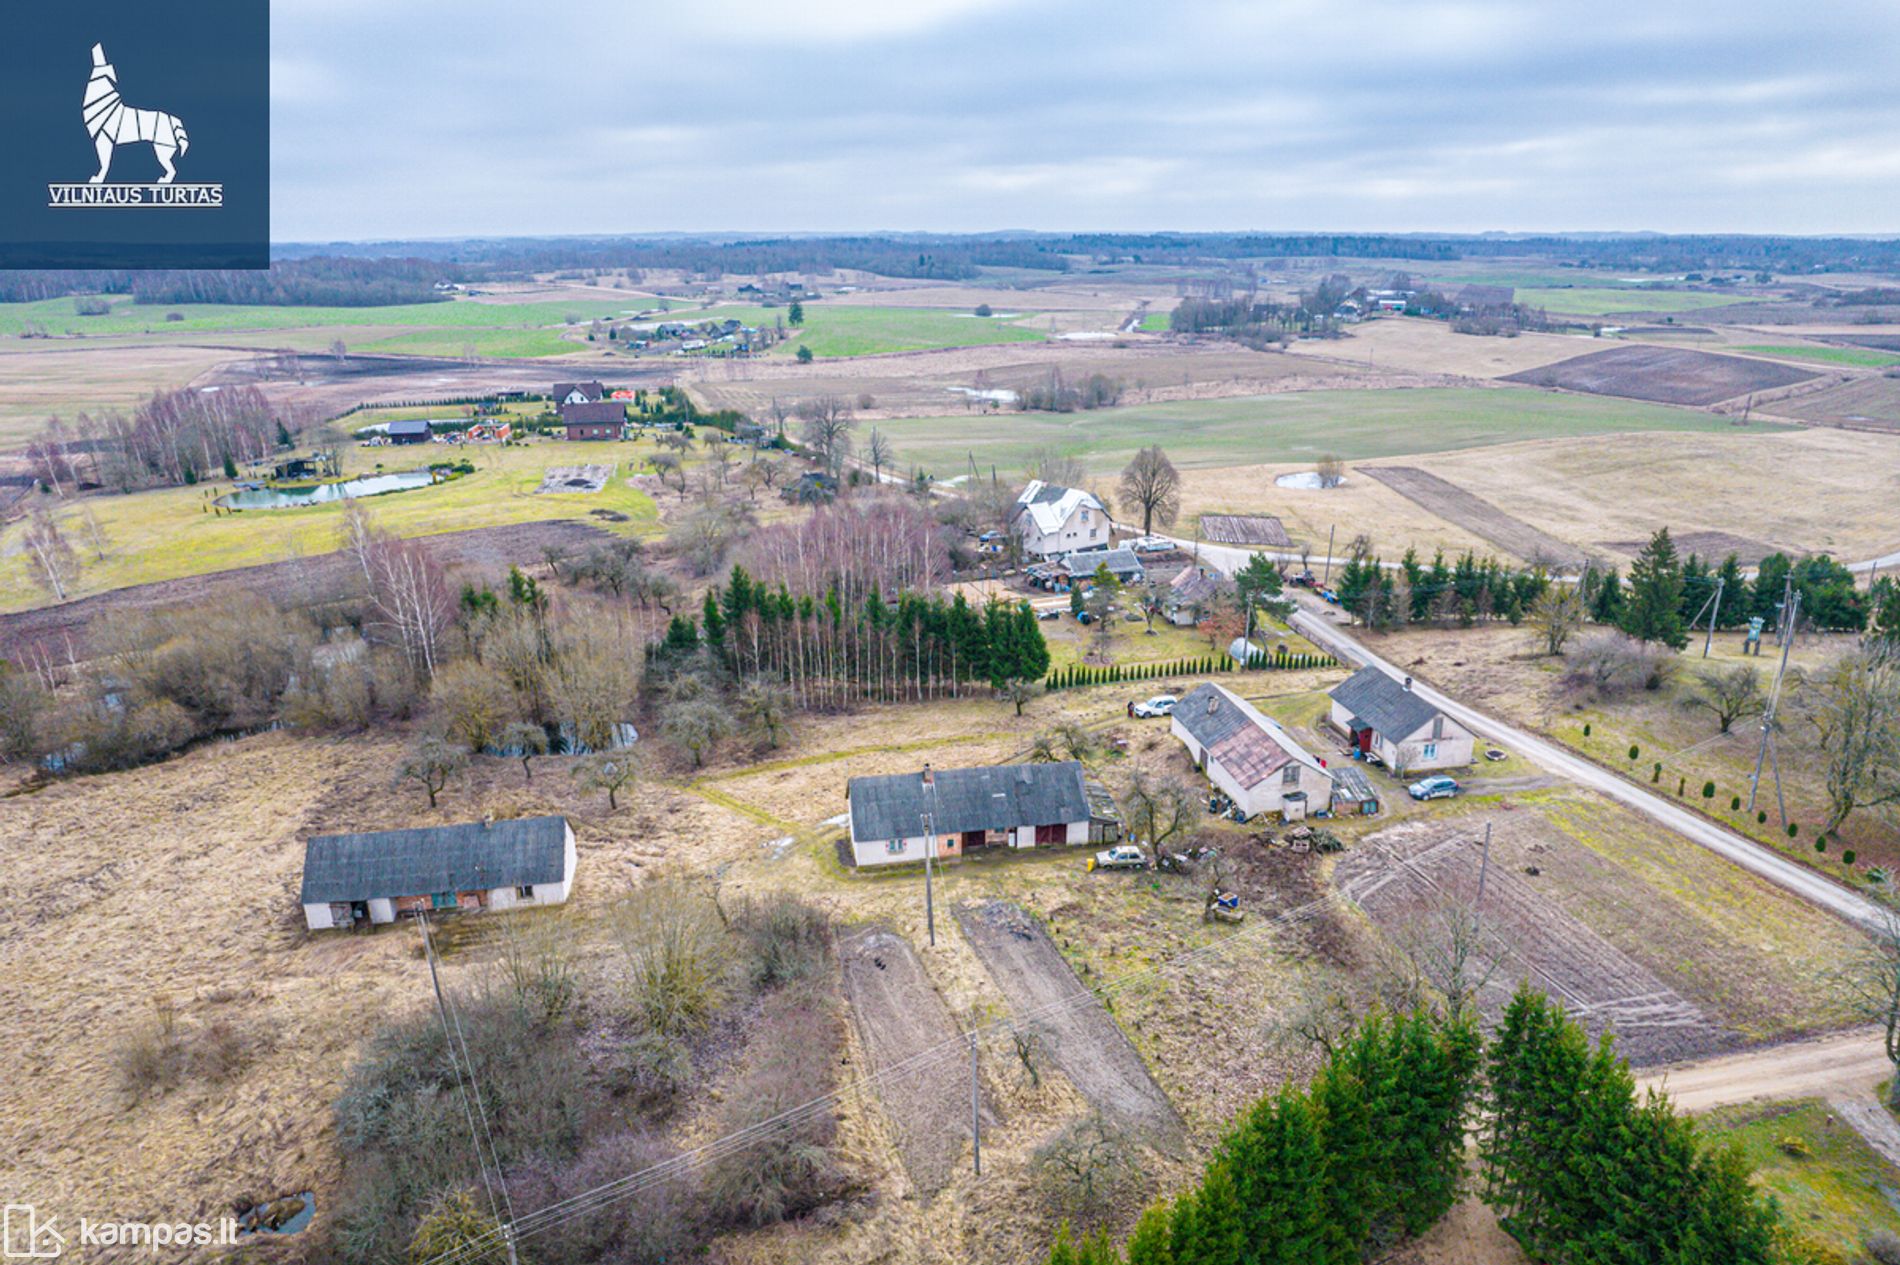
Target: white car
column 1159, row 705
column 1151, row 544
column 1125, row 856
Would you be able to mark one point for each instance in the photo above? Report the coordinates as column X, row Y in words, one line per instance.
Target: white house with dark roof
column 578, row 393
column 381, row 875
column 1382, row 716
column 947, row 812
column 1054, row 520
column 1249, row 756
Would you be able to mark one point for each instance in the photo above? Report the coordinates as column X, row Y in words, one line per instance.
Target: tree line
column 1581, row 1169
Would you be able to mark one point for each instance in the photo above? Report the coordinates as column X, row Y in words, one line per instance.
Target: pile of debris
column 1304, row 839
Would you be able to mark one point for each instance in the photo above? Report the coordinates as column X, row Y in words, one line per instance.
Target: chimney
column 1408, row 685
column 488, row 819
column 928, row 779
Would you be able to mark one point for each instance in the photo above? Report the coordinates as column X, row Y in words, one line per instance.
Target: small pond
column 324, row 493
column 1306, row 480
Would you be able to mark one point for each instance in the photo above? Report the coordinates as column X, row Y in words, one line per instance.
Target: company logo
column 24, row 1237
column 112, row 123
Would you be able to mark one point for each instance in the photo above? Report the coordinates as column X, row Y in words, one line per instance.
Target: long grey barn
column 379, row 875
column 894, row 818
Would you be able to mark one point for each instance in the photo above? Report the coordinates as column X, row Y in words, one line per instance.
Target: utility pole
column 1328, row 576
column 976, row 1114
column 1484, row 868
column 1790, row 612
column 930, row 850
column 1709, row 640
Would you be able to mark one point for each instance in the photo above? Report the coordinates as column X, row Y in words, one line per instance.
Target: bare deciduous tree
column 430, row 763
column 765, row 705
column 1157, row 804
column 825, row 429
column 1152, row 485
column 1854, row 705
column 526, row 741
column 1557, row 614
column 877, row 451
column 472, row 704
column 1331, row 471
column 1727, row 692
column 609, row 771
column 1085, row 1163
column 55, row 565
column 1872, row 981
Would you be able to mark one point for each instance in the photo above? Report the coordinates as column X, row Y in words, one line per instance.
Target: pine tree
column 1654, row 609
column 1152, row 1241
column 1607, row 605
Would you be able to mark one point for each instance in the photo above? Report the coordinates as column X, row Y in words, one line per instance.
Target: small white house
column 1254, row 762
column 946, row 813
column 1053, row 520
column 1383, row 717
column 381, row 875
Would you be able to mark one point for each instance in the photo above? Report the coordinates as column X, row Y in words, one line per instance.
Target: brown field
column 1477, row 516
column 1244, row 529
column 1400, row 344
column 1704, row 544
column 41, row 378
column 1867, row 403
column 1665, row 375
column 1359, row 504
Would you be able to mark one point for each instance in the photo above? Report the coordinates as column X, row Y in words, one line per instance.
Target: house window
column 1290, row 776
column 894, row 847
column 1431, row 751
column 525, row 891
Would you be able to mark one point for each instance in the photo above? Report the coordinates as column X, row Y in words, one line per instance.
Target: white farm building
column 1254, row 762
column 381, row 875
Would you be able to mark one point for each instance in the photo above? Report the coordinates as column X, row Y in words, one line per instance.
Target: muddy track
column 1476, row 515
column 903, row 1022
column 1086, row 1044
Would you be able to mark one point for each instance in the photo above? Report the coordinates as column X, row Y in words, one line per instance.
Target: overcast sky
column 425, row 118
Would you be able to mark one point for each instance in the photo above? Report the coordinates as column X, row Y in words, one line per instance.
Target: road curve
column 1751, row 856
column 1843, row 1064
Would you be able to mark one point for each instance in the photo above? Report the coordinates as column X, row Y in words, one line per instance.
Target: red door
column 1365, row 741
column 1052, row 834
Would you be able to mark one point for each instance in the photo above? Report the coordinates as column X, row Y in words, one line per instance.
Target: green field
column 1857, row 357
column 57, row 316
column 1353, row 425
column 1157, row 322
column 504, row 343
column 1837, row 1192
column 1595, row 301
column 166, row 534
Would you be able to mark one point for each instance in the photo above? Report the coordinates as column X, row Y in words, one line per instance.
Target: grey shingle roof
column 425, row 860
column 991, row 798
column 408, row 426
column 1119, row 562
column 605, row 412
column 1383, row 703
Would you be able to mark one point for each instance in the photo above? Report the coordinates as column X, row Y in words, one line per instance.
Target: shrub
column 1820, row 845
column 1847, row 857
column 1084, row 1165
column 1883, row 1247
column 1761, row 818
column 1735, row 803
column 675, row 954
column 1793, row 830
column 786, row 939
column 1635, row 752
column 1586, row 729
column 1708, row 790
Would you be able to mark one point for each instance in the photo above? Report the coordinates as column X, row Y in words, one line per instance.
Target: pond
column 1305, row 480
column 324, row 493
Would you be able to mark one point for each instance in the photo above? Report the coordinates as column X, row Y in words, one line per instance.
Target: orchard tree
column 430, row 763
column 1556, row 614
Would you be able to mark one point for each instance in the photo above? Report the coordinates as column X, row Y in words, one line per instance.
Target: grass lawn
column 1297, row 426
column 508, row 343
column 1594, row 301
column 1836, row 1193
column 1858, row 357
column 833, row 332
column 1157, row 322
column 166, row 534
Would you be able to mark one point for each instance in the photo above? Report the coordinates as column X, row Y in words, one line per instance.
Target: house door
column 1365, row 740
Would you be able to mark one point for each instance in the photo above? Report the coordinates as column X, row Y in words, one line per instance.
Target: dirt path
column 1841, row 1065
column 1318, row 627
column 1087, row 1046
column 1476, row 515
column 903, row 1022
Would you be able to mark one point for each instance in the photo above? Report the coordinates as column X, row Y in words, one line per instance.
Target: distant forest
column 359, row 274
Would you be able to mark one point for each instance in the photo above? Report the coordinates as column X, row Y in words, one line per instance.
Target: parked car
column 1151, row 544
column 1159, row 705
column 1436, row 787
column 1051, row 613
column 1123, row 856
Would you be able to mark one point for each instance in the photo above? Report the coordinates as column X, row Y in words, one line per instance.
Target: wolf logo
column 111, row 122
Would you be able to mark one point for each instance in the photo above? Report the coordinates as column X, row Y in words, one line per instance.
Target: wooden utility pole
column 1716, row 609
column 1328, row 577
column 976, row 1114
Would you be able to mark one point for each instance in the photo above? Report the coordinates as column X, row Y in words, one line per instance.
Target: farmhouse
column 896, row 818
column 385, row 874
column 1191, row 595
column 1384, row 718
column 1253, row 761
column 409, row 430
column 601, row 419
column 578, row 393
column 1053, row 520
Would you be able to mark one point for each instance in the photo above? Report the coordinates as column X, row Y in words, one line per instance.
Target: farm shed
column 1253, row 761
column 602, row 419
column 895, row 818
column 1121, row 563
column 1382, row 717
column 1191, row 595
column 578, row 393
column 409, row 430
column 381, row 875
column 1352, row 791
column 1054, row 520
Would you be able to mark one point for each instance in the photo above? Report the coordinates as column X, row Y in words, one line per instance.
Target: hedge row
column 1082, row 675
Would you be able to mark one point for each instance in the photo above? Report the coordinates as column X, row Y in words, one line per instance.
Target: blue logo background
column 207, row 62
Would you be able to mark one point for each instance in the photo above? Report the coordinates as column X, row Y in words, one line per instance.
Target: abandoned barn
column 1253, row 761
column 1383, row 717
column 378, row 876
column 894, row 817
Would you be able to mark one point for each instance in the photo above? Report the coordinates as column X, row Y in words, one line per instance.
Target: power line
column 608, row 1193
column 448, row 1037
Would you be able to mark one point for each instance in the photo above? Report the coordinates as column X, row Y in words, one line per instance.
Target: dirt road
column 1086, row 1044
column 1315, row 622
column 1845, row 1065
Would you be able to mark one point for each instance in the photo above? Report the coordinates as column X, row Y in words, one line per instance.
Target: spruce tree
column 1654, row 609
column 1607, row 606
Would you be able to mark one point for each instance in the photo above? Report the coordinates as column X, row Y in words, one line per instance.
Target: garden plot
column 589, row 478
column 1086, row 1044
column 910, row 1041
column 1475, row 514
column 1244, row 529
column 1403, row 876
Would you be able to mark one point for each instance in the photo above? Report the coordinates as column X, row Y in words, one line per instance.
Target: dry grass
column 41, row 379
column 1414, row 345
